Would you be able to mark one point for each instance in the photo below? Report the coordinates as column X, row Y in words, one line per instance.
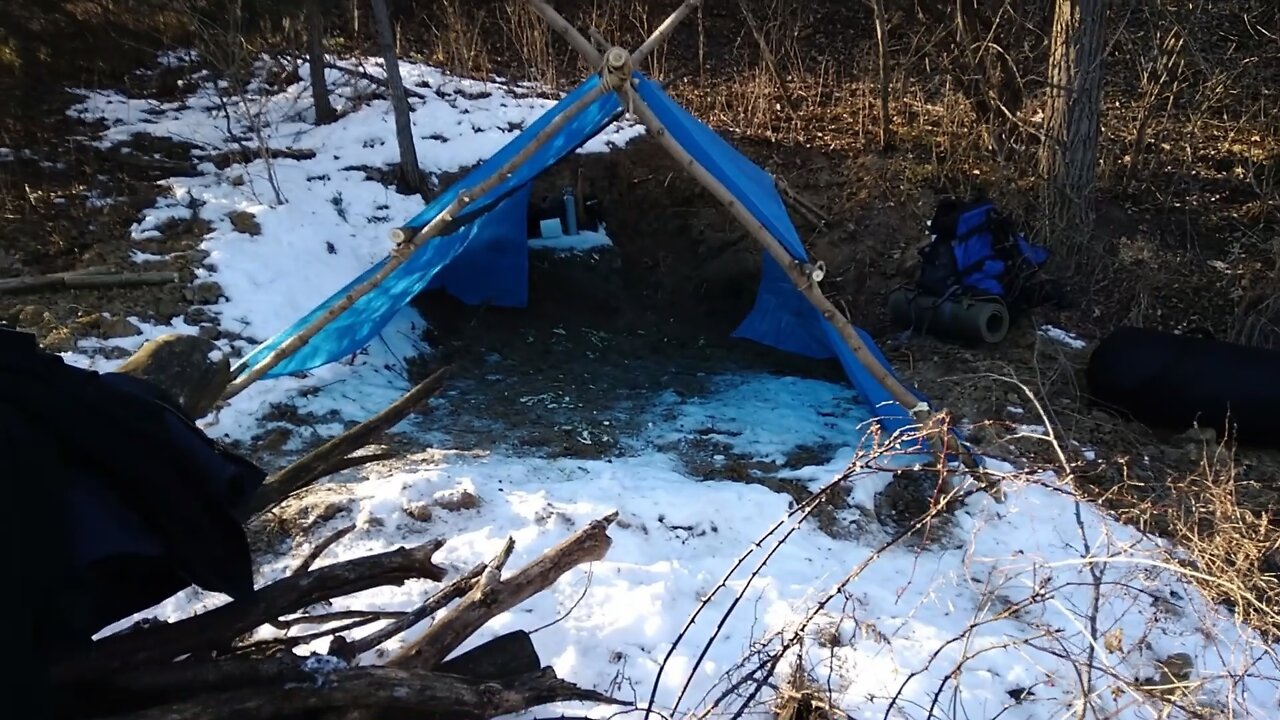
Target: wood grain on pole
column 660, row 35
column 568, row 32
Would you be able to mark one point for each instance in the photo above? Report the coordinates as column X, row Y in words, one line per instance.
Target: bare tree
column 1069, row 153
column 410, row 173
column 315, row 51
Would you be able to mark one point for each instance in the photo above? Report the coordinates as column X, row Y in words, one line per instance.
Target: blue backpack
column 976, row 252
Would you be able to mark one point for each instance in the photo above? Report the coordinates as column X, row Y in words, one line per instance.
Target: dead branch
column 351, row 462
column 359, row 74
column 322, row 546
column 557, row 22
column 664, row 30
column 801, row 203
column 296, row 689
column 454, row 590
column 313, row 466
column 766, row 54
column 81, row 280
column 338, row 616
column 493, row 596
column 218, row 628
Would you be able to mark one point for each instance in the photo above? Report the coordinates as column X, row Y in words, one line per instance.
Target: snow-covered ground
column 997, row 617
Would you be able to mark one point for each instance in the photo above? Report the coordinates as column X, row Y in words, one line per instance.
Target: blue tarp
column 486, row 260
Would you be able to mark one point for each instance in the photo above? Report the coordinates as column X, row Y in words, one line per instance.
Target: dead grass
column 1223, row 524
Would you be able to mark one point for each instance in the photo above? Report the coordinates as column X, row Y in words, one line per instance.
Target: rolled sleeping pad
column 962, row 318
column 1173, row 381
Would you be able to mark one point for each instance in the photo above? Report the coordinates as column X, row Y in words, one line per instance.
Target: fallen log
column 217, row 629
column 318, row 462
column 315, row 687
column 493, row 596
column 81, row 280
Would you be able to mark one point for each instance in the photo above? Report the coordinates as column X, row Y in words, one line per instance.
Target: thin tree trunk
column 882, row 51
column 1069, row 155
column 410, row 173
column 315, row 51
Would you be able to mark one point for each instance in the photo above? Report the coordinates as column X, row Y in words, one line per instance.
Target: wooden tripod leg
column 798, row 274
column 402, row 252
column 664, row 30
column 568, row 32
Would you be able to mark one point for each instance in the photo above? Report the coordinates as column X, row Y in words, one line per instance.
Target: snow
column 1062, row 336
column 1000, row 601
column 581, row 242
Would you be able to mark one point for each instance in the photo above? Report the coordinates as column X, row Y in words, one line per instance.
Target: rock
column 59, row 341
column 419, row 511
column 909, row 496
column 181, row 365
column 199, row 316
column 209, row 332
column 1197, row 437
column 205, row 293
column 456, row 500
column 274, row 439
column 117, row 327
column 31, row 316
column 245, row 222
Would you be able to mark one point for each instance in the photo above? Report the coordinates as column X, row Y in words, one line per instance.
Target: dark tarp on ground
column 1175, row 381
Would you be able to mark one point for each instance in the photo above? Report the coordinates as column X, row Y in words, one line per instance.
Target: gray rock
column 245, row 222
column 200, row 316
column 181, row 365
column 117, row 327
column 205, row 293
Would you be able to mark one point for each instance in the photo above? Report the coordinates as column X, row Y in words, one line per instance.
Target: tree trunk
column 410, row 173
column 1069, row 154
column 315, row 52
column 882, row 53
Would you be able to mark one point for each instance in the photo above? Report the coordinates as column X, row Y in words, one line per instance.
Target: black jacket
column 135, row 502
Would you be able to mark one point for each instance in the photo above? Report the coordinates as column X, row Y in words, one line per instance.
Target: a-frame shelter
column 471, row 241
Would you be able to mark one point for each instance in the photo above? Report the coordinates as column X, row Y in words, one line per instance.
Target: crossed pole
column 615, row 68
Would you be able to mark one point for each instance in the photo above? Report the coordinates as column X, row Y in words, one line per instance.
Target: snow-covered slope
column 1025, row 609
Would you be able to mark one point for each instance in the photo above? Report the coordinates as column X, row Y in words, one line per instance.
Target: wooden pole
column 79, row 279
column 797, row 272
column 805, row 277
column 408, row 246
column 311, row 467
column 568, row 32
column 660, row 35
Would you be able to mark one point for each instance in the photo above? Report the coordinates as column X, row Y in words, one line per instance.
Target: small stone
column 31, row 316
column 457, row 500
column 274, row 439
column 59, row 341
column 207, row 292
column 245, row 222
column 419, row 511
column 199, row 316
column 209, row 332
column 117, row 327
